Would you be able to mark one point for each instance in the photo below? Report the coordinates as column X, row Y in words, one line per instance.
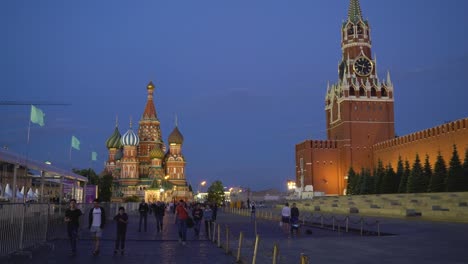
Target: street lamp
column 291, row 185
column 203, row 183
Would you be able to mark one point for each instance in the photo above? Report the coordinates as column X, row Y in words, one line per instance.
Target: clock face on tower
column 363, row 66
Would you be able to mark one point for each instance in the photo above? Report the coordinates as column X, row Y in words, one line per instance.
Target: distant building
column 140, row 164
column 360, row 120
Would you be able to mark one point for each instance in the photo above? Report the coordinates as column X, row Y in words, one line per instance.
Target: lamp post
column 203, row 183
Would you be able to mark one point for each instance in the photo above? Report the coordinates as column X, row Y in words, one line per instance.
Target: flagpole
column 27, row 152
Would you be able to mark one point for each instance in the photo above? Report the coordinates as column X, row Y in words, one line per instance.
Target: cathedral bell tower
column 149, row 132
column 359, row 107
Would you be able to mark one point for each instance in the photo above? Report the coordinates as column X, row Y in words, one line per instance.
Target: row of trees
column 103, row 182
column 415, row 178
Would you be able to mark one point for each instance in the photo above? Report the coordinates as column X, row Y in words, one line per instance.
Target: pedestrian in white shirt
column 97, row 220
column 286, row 217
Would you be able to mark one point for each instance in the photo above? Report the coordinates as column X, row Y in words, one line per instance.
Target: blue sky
column 247, row 79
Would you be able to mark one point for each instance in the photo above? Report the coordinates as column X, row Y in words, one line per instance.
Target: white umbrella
column 8, row 192
column 22, row 191
column 36, row 193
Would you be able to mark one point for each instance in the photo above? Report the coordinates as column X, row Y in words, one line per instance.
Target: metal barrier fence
column 28, row 225
column 255, row 251
column 249, row 250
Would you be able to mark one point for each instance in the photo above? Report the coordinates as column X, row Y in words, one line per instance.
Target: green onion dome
column 114, row 140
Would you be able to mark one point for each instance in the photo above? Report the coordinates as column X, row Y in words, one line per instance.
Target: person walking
column 72, row 217
column 181, row 216
column 252, row 212
column 143, row 208
column 286, row 218
column 122, row 221
column 207, row 215
column 159, row 210
column 197, row 215
column 97, row 220
column 294, row 219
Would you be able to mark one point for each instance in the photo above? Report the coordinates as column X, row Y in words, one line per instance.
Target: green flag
column 93, row 156
column 75, row 143
column 37, row 116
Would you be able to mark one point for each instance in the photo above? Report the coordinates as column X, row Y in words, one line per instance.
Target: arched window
column 350, row 30
column 373, row 92
column 352, row 92
column 362, row 92
column 360, row 30
column 383, row 92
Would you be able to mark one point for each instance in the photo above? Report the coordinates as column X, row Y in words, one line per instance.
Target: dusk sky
column 246, row 78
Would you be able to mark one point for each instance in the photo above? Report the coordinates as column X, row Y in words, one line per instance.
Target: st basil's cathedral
column 141, row 164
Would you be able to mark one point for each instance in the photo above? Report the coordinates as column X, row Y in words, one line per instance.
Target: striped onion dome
column 114, row 140
column 130, row 138
column 156, row 153
column 176, row 137
column 118, row 155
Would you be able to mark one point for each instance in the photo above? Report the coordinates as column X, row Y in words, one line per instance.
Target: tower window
column 373, row 92
column 383, row 92
column 352, row 92
column 350, row 30
column 362, row 92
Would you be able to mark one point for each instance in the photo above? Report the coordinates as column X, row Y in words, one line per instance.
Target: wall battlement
column 317, row 144
column 452, row 127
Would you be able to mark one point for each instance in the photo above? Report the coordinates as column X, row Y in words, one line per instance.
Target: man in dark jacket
column 97, row 221
column 143, row 209
column 294, row 219
column 72, row 217
column 158, row 209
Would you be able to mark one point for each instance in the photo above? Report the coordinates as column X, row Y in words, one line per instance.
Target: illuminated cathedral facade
column 142, row 165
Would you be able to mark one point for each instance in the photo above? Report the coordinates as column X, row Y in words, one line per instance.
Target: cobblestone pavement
column 413, row 242
column 141, row 247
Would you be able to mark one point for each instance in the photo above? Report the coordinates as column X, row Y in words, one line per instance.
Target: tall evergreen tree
column 357, row 187
column 455, row 173
column 388, row 181
column 437, row 182
column 465, row 171
column 416, row 182
column 398, row 176
column 379, row 174
column 352, row 182
column 366, row 182
column 404, row 178
column 427, row 174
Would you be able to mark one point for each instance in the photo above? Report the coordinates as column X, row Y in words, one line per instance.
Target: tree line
column 415, row 178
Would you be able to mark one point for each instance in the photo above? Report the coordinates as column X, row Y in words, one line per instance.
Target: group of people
column 290, row 219
column 96, row 223
column 186, row 216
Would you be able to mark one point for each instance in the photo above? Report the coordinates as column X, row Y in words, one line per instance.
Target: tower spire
column 116, row 120
column 389, row 81
column 150, row 110
column 176, row 121
column 354, row 11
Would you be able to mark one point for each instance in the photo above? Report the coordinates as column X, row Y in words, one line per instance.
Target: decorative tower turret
column 113, row 144
column 175, row 162
column 149, row 132
column 129, row 161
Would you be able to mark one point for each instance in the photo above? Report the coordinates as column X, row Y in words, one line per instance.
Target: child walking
column 122, row 221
